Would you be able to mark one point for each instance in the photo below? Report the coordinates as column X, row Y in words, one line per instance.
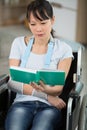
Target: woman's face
column 40, row 29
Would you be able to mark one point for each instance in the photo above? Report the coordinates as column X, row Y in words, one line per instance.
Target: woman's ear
column 53, row 20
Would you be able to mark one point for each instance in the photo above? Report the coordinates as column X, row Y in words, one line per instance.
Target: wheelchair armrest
column 4, row 93
column 79, row 87
column 4, row 79
column 77, row 90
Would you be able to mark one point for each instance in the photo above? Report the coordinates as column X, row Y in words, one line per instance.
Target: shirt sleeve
column 15, row 50
column 67, row 52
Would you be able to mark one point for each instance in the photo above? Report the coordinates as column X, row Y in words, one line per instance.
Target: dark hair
column 41, row 10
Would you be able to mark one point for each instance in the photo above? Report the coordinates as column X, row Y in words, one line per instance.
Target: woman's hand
column 41, row 87
column 27, row 89
column 51, row 90
column 57, row 102
column 53, row 100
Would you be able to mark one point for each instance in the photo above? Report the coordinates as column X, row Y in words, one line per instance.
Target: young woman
column 38, row 107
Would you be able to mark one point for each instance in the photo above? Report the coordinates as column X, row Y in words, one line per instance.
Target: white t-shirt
column 61, row 50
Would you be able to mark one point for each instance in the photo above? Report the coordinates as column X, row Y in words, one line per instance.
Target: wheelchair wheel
column 82, row 125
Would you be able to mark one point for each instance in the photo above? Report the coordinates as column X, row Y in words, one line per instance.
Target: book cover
column 49, row 77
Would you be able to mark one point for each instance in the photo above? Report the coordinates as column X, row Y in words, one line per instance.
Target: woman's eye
column 43, row 23
column 32, row 24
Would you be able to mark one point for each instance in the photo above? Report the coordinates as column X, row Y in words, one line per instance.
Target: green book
column 49, row 77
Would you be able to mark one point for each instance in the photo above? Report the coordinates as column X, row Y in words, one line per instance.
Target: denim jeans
column 32, row 115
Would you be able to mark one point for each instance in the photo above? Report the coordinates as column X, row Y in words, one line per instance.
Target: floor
column 10, row 32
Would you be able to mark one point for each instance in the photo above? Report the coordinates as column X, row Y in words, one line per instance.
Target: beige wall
column 82, row 22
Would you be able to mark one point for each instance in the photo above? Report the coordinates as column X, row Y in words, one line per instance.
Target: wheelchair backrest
column 70, row 80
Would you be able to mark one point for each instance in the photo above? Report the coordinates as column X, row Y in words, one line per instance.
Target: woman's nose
column 39, row 28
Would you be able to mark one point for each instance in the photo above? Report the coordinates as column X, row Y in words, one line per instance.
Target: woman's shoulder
column 62, row 49
column 21, row 40
column 59, row 43
column 18, row 40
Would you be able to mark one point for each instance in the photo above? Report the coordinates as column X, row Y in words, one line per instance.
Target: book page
column 50, row 70
column 23, row 69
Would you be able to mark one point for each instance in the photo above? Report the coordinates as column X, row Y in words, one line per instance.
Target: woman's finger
column 36, row 86
column 42, row 84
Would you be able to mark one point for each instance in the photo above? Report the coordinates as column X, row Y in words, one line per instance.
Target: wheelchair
column 71, row 119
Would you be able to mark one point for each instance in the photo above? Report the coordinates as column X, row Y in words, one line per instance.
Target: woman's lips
column 40, row 35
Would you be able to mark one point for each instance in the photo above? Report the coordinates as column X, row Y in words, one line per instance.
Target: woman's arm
column 56, row 101
column 26, row 88
column 63, row 65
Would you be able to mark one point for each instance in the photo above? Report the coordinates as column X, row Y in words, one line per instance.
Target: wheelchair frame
column 73, row 113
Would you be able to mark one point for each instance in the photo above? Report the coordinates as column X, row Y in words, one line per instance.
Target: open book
column 49, row 77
